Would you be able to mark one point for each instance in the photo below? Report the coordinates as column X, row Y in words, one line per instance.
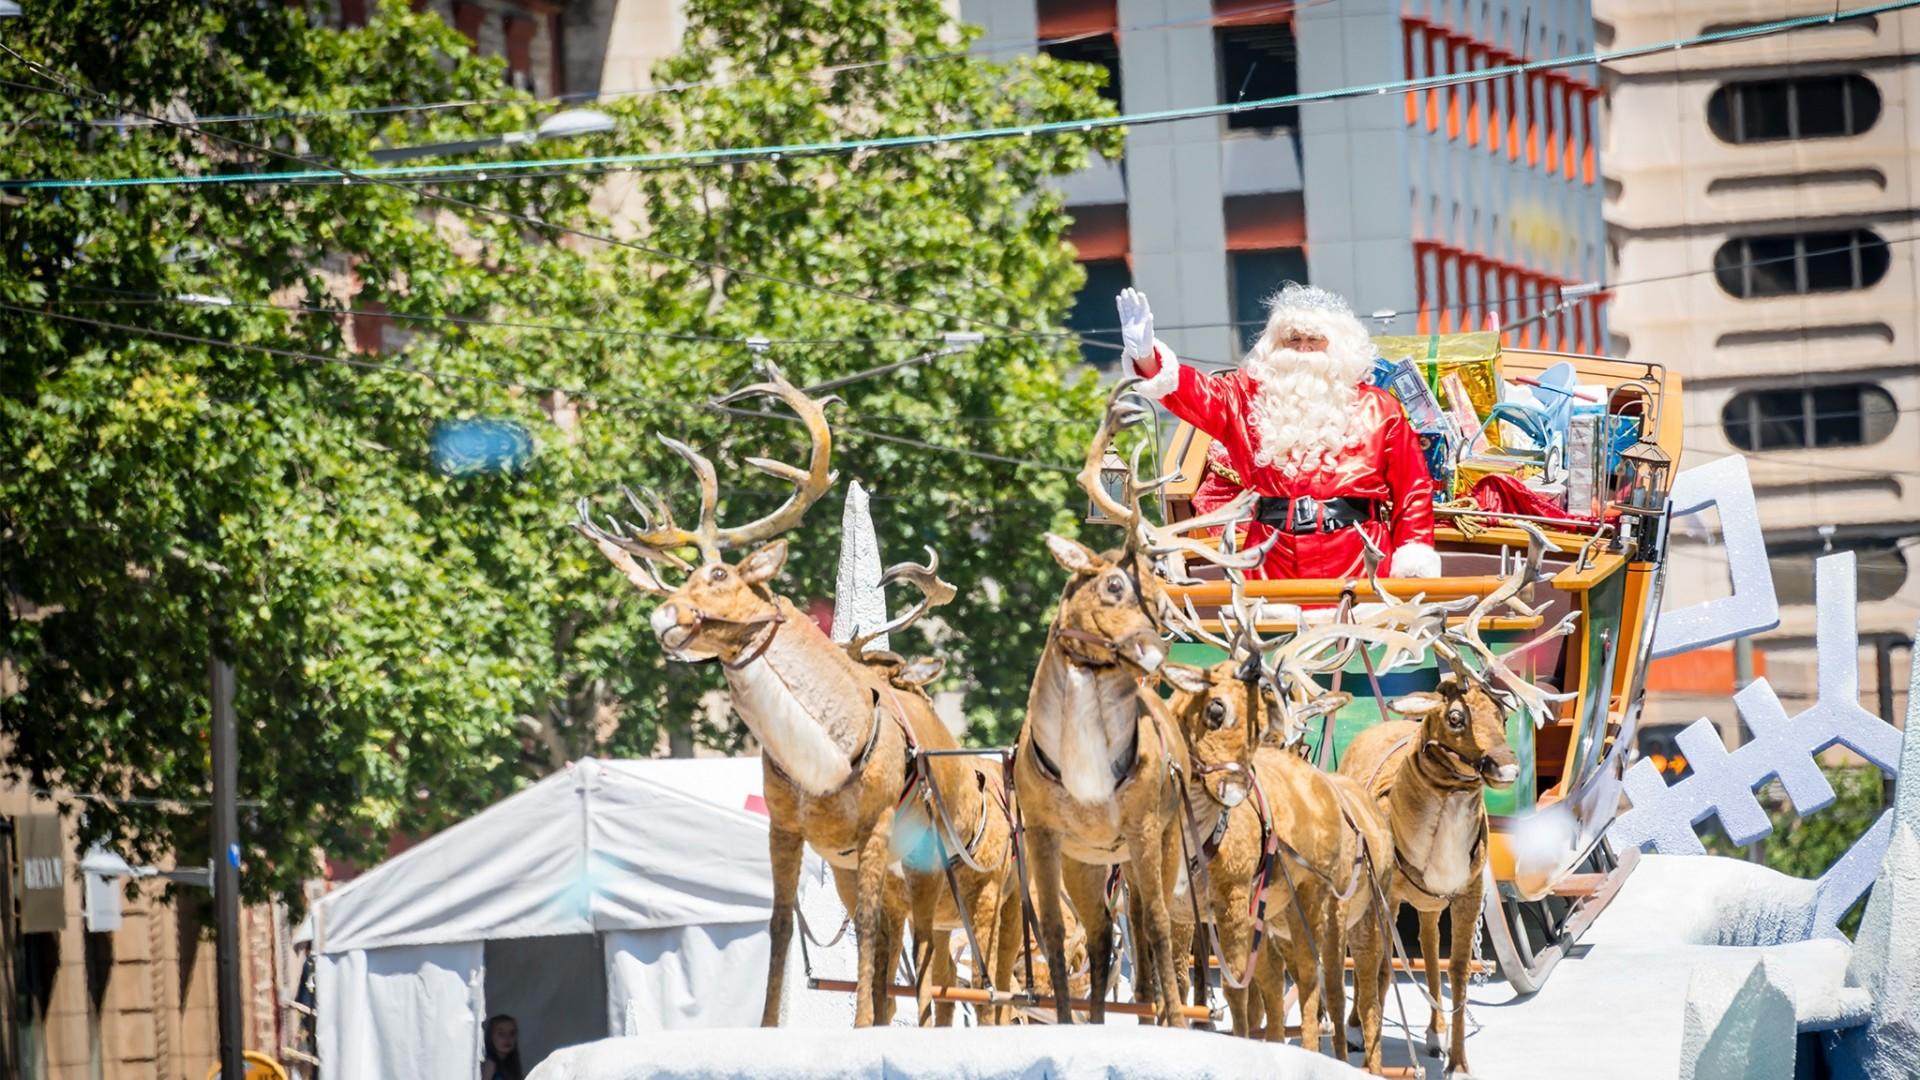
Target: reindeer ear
column 1075, row 556
column 1415, row 704
column 764, row 563
column 921, row 670
column 1190, row 679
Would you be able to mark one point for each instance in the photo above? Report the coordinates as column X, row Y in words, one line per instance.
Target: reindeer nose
column 1507, row 774
column 1148, row 653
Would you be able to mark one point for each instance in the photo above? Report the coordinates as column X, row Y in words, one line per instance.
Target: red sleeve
column 1211, row 403
column 1408, row 480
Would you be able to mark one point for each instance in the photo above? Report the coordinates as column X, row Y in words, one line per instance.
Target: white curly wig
column 1303, row 410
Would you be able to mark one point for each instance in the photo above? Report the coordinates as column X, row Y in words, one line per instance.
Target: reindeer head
column 719, row 610
column 1115, row 609
column 1463, row 729
column 1225, row 712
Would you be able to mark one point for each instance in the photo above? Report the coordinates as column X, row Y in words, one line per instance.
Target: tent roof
column 604, row 845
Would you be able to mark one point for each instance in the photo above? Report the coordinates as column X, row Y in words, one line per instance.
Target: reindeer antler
column 1143, row 535
column 934, row 593
column 1539, row 703
column 656, row 537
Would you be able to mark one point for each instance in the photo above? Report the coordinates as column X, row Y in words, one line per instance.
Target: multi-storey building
column 1763, row 192
column 1442, row 207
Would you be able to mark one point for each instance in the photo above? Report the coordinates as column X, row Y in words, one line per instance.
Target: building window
column 1101, row 50
column 1790, row 264
column 1809, row 418
column 1256, row 276
column 1881, row 569
column 1810, row 107
column 1259, row 62
column 1093, row 316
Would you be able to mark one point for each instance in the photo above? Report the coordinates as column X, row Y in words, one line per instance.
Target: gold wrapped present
column 1472, row 468
column 1475, row 358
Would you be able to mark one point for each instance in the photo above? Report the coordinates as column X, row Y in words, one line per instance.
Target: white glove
column 1136, row 324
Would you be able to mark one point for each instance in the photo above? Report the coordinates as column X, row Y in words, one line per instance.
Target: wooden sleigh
column 1552, row 869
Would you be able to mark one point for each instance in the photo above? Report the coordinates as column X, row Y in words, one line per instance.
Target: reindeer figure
column 1428, row 775
column 1095, row 759
column 1308, row 850
column 837, row 736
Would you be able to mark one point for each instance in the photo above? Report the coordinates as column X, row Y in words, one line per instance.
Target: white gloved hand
column 1136, row 324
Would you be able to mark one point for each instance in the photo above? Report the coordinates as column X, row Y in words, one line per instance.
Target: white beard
column 1303, row 405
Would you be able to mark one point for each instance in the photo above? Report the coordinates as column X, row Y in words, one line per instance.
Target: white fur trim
column 1167, row 379
column 1416, row 561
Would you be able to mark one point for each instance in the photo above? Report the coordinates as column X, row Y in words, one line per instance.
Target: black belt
column 1306, row 514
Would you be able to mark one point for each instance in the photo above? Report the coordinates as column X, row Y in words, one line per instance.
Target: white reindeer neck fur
column 1083, row 718
column 1435, row 830
column 809, row 710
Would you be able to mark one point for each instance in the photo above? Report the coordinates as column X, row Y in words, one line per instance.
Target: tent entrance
column 555, row 988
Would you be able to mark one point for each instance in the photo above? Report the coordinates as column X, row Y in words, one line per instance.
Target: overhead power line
column 583, row 394
column 505, row 169
column 535, row 221
column 1568, row 293
column 976, row 49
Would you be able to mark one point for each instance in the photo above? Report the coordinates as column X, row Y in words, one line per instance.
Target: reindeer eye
column 718, row 573
column 1456, row 716
column 1115, row 587
column 1216, row 713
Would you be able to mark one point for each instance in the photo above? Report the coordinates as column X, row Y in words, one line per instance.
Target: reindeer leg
column 944, row 974
column 1155, row 881
column 870, row 921
column 1369, row 960
column 1267, row 998
column 1005, row 947
column 922, row 896
column 1430, row 955
column 785, row 852
column 1466, row 916
column 1305, row 969
column 986, row 906
column 1087, row 890
column 1236, row 941
column 1137, row 947
column 893, row 908
column 1043, row 850
column 1333, row 969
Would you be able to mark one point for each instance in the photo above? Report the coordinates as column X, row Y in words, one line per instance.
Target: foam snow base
column 1739, row 1025
column 1674, row 915
column 1068, row 1053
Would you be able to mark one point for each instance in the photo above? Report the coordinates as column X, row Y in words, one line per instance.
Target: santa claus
column 1331, row 455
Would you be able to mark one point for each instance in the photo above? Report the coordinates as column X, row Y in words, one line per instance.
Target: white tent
column 613, row 898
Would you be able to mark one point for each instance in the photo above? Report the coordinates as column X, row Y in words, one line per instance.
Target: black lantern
column 1643, row 476
column 1113, row 479
column 1644, row 471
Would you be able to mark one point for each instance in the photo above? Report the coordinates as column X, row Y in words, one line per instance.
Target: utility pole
column 1743, row 675
column 226, row 869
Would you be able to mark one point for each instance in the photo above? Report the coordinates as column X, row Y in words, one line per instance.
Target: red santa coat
column 1386, row 467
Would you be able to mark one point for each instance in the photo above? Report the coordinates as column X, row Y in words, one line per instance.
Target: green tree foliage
column 410, row 644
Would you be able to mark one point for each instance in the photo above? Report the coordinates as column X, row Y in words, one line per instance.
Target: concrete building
column 1444, row 207
column 1765, row 190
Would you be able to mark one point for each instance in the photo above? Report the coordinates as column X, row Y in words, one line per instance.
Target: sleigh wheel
column 1528, row 937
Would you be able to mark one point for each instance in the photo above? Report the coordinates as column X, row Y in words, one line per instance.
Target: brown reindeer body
column 1073, row 841
column 1328, row 842
column 1428, row 777
column 835, row 732
column 1098, row 760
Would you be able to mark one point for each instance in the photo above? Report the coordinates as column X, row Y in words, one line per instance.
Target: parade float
column 1065, row 880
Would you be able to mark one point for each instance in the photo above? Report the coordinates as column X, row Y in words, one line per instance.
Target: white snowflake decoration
column 1723, row 783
